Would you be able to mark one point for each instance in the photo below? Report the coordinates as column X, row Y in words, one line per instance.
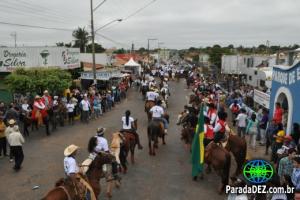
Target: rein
column 66, row 191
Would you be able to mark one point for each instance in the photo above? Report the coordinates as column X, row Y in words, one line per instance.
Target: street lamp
column 107, row 24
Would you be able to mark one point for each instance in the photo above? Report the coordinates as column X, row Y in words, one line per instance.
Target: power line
column 135, row 12
column 111, row 40
column 35, row 26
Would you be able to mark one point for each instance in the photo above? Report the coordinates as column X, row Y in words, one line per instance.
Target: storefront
column 286, row 90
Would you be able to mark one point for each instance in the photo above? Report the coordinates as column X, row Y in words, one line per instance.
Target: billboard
column 262, row 98
column 64, row 58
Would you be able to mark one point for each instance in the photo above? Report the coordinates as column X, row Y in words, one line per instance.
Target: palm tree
column 82, row 38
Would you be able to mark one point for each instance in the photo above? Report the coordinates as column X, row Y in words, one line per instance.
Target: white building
column 256, row 69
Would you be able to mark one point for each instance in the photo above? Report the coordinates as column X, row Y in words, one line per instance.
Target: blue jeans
column 163, row 120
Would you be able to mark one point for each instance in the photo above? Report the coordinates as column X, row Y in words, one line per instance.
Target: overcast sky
column 176, row 23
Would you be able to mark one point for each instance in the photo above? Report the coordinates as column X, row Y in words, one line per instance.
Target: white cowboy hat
column 11, row 122
column 70, row 150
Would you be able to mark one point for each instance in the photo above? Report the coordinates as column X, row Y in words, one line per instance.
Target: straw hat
column 101, row 131
column 70, row 150
column 11, row 122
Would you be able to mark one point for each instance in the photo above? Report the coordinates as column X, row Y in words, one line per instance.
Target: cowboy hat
column 70, row 150
column 11, row 122
column 100, row 131
column 37, row 97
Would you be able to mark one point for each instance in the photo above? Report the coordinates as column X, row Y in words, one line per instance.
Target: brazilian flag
column 198, row 146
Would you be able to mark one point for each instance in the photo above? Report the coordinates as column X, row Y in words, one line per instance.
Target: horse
column 187, row 135
column 155, row 129
column 148, row 106
column 64, row 188
column 220, row 159
column 130, row 142
column 238, row 147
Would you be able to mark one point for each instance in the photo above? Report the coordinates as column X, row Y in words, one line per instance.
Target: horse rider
column 128, row 126
column 220, row 127
column 102, row 146
column 70, row 164
column 158, row 114
column 152, row 96
column 212, row 113
column 144, row 83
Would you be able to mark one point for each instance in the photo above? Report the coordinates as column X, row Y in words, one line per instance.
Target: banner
column 262, row 98
column 26, row 57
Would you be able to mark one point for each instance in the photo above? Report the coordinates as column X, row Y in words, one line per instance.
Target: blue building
column 286, row 90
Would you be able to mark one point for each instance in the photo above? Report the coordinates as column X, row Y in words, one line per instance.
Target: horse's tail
column 226, row 169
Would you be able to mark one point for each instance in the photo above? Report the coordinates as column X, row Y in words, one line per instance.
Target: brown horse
column 238, row 147
column 155, row 129
column 130, row 142
column 220, row 159
column 187, row 135
column 65, row 190
column 148, row 106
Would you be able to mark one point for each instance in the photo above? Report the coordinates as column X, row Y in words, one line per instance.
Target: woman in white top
column 128, row 126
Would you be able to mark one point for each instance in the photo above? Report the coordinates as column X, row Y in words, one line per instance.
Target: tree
column 98, row 48
column 62, row 44
column 36, row 80
column 82, row 38
column 120, row 51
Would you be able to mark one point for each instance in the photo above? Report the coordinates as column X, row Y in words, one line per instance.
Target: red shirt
column 209, row 134
column 278, row 115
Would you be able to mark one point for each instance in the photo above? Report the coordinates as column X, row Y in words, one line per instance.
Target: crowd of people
column 255, row 127
column 51, row 111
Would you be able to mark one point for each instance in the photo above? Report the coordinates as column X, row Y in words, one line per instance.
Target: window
column 255, row 72
column 250, row 78
column 262, row 83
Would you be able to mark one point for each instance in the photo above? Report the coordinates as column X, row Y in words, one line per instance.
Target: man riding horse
column 159, row 114
column 129, row 127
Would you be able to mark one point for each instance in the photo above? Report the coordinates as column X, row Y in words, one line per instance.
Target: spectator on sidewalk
column 85, row 107
column 2, row 138
column 263, row 126
column 235, row 108
column 286, row 166
column 71, row 108
column 296, row 173
column 15, row 140
column 278, row 113
column 252, row 131
column 241, row 122
column 8, row 131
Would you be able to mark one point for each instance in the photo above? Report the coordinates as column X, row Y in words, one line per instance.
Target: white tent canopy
column 133, row 66
column 131, row 63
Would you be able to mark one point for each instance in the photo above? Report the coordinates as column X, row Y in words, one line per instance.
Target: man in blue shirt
column 296, row 173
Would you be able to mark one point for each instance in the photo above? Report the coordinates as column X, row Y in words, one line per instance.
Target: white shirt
column 70, row 166
column 102, row 144
column 151, row 96
column 241, row 119
column 25, row 107
column 85, row 105
column 70, row 107
column 125, row 126
column 144, row 83
column 15, row 139
column 157, row 111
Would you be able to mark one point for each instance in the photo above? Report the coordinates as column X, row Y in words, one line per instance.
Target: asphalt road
column 164, row 177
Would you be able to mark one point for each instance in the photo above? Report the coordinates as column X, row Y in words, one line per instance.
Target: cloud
column 179, row 24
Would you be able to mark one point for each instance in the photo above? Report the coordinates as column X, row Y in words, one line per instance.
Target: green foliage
column 98, row 48
column 36, row 80
column 120, row 51
column 81, row 38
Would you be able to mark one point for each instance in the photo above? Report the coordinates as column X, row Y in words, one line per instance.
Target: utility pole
column 14, row 35
column 93, row 43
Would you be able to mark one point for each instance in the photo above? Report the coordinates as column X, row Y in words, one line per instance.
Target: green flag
column 198, row 146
